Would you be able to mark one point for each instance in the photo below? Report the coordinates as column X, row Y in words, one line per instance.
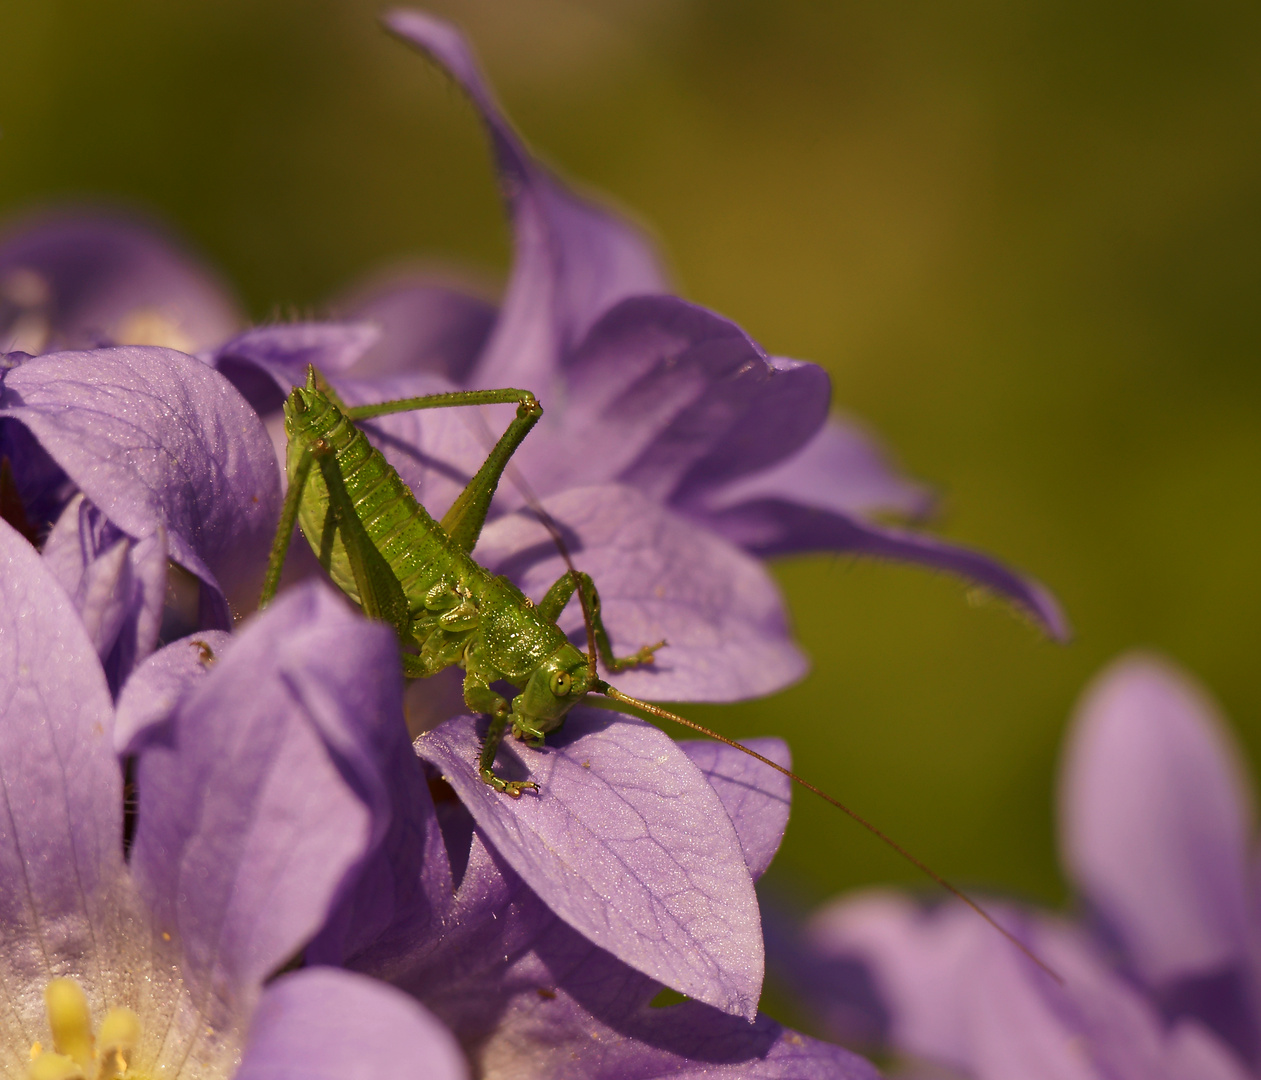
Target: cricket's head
column 555, row 687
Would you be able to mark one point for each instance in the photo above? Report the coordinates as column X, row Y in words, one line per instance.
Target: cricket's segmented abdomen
column 416, row 547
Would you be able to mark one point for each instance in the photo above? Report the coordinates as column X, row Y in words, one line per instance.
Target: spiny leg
column 481, row 698
column 558, row 596
column 284, row 532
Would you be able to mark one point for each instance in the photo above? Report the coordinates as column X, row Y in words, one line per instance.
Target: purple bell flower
column 1160, row 975
column 674, row 451
column 541, row 931
column 121, row 461
column 149, row 943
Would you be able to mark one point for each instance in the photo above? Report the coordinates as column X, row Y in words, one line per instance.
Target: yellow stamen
column 120, row 1033
column 70, row 1020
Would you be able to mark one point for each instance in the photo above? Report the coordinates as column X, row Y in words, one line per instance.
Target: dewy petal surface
column 660, row 578
column 629, row 844
column 247, row 829
column 324, row 1024
column 572, row 260
column 158, row 440
column 1155, row 821
column 61, row 865
column 80, row 279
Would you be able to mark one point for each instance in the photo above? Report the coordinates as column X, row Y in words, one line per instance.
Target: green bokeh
column 1024, row 238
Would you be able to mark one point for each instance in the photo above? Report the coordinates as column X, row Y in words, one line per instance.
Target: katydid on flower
column 385, row 551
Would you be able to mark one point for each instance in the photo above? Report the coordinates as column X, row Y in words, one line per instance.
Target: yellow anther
column 37, row 1048
column 70, row 1020
column 119, row 1036
column 54, row 1067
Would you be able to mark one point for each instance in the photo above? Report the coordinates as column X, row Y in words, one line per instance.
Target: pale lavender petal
column 573, row 260
column 158, row 440
column 61, row 833
column 772, row 526
column 918, row 964
column 659, row 577
column 80, row 279
column 960, row 995
column 626, row 842
column 249, row 817
column 1155, row 821
column 156, row 687
column 118, row 585
column 425, row 326
column 322, row 1024
column 842, row 469
column 756, row 797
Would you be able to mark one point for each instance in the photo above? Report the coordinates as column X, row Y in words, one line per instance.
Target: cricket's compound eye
column 562, row 683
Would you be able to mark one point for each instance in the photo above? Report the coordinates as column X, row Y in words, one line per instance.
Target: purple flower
column 1160, row 976
column 542, row 930
column 673, row 451
column 122, row 460
column 150, row 945
column 83, row 279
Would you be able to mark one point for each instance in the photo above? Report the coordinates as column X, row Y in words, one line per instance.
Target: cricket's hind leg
column 558, row 596
column 464, row 521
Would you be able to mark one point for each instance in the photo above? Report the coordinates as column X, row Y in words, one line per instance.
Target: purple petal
column 118, row 585
column 627, row 843
column 1155, row 820
column 659, row 577
column 529, row 996
column 959, row 994
column 842, row 469
column 61, row 861
column 661, row 389
column 266, row 362
column 772, row 526
column 156, row 687
column 425, row 326
column 551, row 1034
column 573, row 260
column 756, row 797
column 249, row 820
column 323, row 1024
column 158, row 440
column 81, row 279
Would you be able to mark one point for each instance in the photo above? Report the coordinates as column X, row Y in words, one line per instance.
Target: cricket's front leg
column 479, row 697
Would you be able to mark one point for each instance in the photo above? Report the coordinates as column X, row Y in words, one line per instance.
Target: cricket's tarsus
column 382, row 548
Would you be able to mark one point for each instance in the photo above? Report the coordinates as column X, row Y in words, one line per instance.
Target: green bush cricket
column 385, row 551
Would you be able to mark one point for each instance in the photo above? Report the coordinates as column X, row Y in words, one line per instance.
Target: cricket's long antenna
column 653, row 710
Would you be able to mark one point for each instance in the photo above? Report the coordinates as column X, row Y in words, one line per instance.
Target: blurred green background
column 1025, row 238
